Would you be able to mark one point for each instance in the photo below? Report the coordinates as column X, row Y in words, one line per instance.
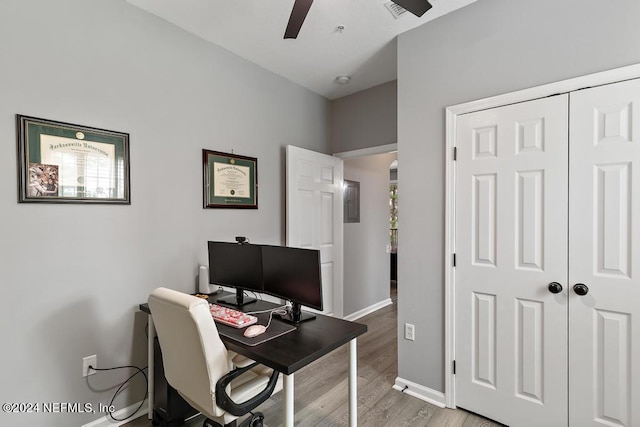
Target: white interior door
column 314, row 216
column 511, row 243
column 604, row 213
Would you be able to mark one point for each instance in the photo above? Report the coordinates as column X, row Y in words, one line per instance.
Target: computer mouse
column 254, row 330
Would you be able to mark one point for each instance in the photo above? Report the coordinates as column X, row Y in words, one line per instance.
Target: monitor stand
column 295, row 315
column 238, row 300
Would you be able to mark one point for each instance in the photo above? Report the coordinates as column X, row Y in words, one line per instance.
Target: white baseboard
column 416, row 390
column 106, row 421
column 368, row 310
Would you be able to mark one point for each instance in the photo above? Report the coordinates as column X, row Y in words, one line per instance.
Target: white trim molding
column 452, row 113
column 106, row 421
column 380, row 149
column 368, row 310
column 450, row 249
column 421, row 392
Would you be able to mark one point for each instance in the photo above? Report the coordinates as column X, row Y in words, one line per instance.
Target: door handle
column 555, row 287
column 581, row 289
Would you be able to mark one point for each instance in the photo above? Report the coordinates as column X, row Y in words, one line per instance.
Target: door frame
column 452, row 113
column 370, row 151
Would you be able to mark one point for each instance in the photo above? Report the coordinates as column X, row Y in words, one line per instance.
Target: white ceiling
column 254, row 30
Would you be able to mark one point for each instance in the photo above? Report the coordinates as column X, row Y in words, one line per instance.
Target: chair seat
column 248, row 385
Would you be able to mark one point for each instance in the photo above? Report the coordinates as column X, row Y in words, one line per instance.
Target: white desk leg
column 353, row 384
column 151, row 330
column 288, row 401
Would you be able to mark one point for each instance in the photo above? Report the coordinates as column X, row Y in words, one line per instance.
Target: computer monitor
column 238, row 266
column 293, row 274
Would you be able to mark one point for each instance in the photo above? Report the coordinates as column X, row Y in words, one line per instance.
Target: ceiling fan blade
column 417, row 7
column 298, row 14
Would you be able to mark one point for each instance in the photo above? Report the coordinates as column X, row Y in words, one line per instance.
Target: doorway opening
column 367, row 245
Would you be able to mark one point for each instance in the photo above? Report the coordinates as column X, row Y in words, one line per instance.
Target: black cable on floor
column 146, row 392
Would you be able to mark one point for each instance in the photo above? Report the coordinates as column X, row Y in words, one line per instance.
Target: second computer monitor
column 293, row 274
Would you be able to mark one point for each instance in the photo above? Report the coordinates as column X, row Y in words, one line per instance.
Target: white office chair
column 197, row 364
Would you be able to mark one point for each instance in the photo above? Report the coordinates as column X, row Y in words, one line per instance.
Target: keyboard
column 230, row 317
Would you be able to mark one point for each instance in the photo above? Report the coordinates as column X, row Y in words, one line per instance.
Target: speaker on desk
column 203, row 280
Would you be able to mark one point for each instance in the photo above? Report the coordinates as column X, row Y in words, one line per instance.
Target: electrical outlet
column 409, row 332
column 89, row 361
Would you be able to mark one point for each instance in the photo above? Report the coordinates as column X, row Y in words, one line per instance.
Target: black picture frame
column 229, row 180
column 62, row 162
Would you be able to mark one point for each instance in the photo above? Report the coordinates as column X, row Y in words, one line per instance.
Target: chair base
column 255, row 420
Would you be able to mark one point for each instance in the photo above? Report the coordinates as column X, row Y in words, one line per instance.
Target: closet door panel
column 604, row 254
column 511, row 242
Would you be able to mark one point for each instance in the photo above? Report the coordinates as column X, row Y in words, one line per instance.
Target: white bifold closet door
column 604, row 255
column 511, row 242
column 546, row 192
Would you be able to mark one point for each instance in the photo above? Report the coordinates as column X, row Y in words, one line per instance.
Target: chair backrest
column 193, row 355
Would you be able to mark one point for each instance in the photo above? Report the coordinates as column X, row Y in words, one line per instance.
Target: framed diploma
column 66, row 163
column 230, row 181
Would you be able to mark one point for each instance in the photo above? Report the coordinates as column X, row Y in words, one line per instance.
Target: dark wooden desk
column 292, row 351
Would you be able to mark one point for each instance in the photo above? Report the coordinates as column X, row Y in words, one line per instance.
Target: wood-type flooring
column 321, row 389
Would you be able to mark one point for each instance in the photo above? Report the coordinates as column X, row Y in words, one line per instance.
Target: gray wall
column 72, row 276
column 365, row 119
column 366, row 262
column 488, row 48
